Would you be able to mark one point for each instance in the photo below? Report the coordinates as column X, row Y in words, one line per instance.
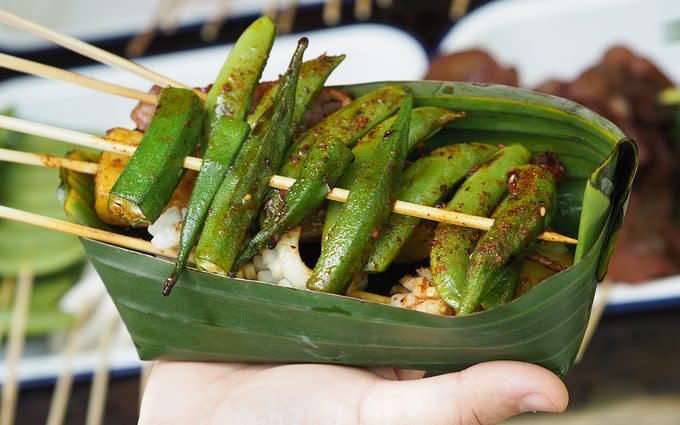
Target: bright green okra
column 532, row 198
column 425, row 121
column 239, row 197
column 425, row 182
column 143, row 189
column 478, row 195
column 323, row 167
column 344, row 252
column 227, row 104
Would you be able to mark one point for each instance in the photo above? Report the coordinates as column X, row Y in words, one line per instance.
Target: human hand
column 300, row 394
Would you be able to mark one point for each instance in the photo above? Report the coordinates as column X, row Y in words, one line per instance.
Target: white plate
column 557, row 38
column 374, row 52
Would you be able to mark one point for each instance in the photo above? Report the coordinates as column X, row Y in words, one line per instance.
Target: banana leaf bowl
column 214, row 318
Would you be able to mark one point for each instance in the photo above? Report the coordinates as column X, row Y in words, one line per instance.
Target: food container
column 209, row 317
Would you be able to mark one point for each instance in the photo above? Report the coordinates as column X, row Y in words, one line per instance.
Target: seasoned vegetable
column 323, row 167
column 239, row 198
column 426, row 182
column 346, row 126
column 111, row 166
column 145, row 186
column 478, row 195
column 532, row 198
column 227, row 104
column 313, row 75
column 425, row 121
column 344, row 252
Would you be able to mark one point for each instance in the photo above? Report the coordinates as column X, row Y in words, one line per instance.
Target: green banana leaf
column 32, row 188
column 209, row 317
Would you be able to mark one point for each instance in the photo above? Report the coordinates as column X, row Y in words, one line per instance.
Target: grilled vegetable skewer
column 344, row 252
column 527, row 213
column 147, row 182
column 225, row 129
column 479, row 194
column 324, row 152
column 426, row 182
column 240, row 195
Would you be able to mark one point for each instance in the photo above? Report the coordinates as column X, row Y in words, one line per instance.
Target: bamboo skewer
column 277, row 182
column 286, row 17
column 332, row 12
column 90, row 51
column 211, row 30
column 46, row 71
column 100, row 381
column 15, row 346
column 62, row 389
column 83, row 231
column 363, row 9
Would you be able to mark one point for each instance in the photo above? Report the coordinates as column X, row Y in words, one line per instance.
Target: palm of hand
column 300, row 394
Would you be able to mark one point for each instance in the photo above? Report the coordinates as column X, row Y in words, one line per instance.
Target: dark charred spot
column 551, row 162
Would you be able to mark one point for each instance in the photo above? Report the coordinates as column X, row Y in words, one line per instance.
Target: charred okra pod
column 532, row 197
column 426, row 182
column 313, row 75
column 345, row 125
column 145, row 186
column 344, row 252
column 478, row 195
column 227, row 104
column 239, row 197
column 425, row 121
column 323, row 167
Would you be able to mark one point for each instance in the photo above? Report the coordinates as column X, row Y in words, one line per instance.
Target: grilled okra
column 239, row 197
column 426, row 182
column 226, row 128
column 313, row 75
column 145, row 186
column 478, row 195
column 345, row 125
column 425, row 121
column 532, row 197
column 323, row 167
column 344, row 252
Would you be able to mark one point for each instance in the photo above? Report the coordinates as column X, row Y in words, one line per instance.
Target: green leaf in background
column 33, row 189
column 56, row 259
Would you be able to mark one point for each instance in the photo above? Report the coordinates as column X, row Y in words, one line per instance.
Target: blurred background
column 614, row 56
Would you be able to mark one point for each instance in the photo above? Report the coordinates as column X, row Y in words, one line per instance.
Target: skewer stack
column 57, row 410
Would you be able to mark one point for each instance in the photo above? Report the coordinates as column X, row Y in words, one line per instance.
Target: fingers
column 485, row 394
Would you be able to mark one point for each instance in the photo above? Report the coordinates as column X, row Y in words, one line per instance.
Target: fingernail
column 536, row 402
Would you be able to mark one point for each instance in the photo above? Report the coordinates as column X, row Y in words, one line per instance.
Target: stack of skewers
column 605, row 168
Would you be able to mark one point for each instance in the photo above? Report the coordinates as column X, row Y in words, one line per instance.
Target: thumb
column 487, row 393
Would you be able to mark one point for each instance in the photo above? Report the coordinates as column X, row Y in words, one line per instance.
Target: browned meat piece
column 624, row 88
column 473, row 66
column 143, row 112
column 325, row 103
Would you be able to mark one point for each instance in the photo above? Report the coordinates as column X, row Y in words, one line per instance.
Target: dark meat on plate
column 624, row 88
column 474, row 66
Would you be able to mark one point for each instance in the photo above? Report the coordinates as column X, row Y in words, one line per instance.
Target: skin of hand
column 301, row 394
